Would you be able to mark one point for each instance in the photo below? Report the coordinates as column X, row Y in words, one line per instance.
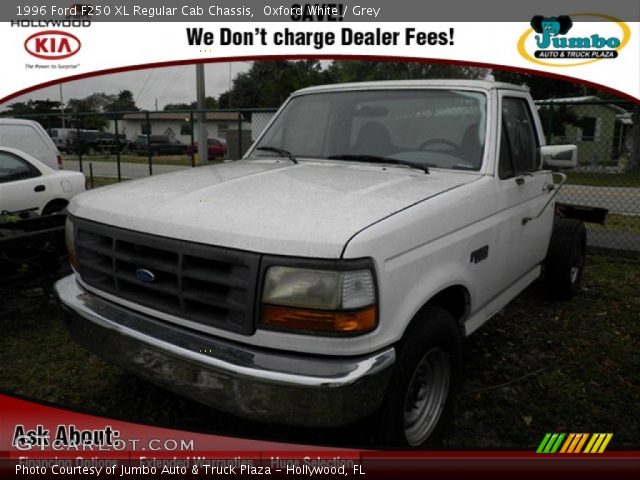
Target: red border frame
column 175, row 63
column 413, row 464
column 494, row 464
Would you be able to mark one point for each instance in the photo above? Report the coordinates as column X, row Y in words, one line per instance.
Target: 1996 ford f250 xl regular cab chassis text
column 333, row 272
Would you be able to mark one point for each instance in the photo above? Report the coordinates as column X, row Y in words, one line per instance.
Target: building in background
column 601, row 130
column 175, row 125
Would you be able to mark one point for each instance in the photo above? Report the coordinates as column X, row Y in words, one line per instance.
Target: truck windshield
column 421, row 127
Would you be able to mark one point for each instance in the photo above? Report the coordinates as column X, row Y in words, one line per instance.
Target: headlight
column 70, row 240
column 319, row 300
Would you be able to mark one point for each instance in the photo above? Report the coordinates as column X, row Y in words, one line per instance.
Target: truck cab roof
column 396, row 84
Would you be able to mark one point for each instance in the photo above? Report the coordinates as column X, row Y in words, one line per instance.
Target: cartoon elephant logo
column 550, row 27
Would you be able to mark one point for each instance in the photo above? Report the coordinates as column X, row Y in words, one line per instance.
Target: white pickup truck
column 333, row 272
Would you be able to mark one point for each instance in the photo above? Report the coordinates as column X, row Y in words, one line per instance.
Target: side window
column 589, row 127
column 518, row 143
column 505, row 165
column 13, row 168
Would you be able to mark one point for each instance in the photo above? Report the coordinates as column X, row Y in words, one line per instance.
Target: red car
column 216, row 148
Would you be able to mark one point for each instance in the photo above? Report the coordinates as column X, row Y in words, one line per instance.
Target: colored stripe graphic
column 574, row 443
column 568, row 442
column 597, row 443
column 550, row 443
column 583, row 440
column 543, row 443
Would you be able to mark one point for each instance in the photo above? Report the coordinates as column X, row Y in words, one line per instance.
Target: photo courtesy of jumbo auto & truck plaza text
column 326, row 239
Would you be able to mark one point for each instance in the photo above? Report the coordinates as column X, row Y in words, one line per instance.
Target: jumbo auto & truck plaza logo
column 562, row 41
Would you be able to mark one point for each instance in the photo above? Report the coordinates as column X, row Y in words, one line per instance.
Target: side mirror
column 555, row 157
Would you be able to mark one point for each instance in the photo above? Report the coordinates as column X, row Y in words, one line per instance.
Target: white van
column 59, row 137
column 30, row 137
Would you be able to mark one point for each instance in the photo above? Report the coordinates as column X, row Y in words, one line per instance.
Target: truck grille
column 209, row 285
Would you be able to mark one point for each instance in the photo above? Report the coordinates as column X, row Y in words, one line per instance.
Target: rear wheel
column 420, row 396
column 565, row 262
column 55, row 206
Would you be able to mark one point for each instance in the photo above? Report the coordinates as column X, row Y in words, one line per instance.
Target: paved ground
column 623, row 200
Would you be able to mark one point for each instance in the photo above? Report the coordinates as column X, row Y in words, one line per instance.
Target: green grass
column 103, row 181
column 616, row 222
column 537, row 367
column 543, row 366
column 604, row 179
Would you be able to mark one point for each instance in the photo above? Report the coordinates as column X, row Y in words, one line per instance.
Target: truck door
column 521, row 189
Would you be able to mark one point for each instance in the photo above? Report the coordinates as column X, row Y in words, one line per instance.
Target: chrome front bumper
column 254, row 383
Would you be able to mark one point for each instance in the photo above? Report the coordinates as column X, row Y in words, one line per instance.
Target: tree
column 268, row 84
column 124, row 102
column 178, row 106
column 94, row 104
column 46, row 112
column 19, row 108
column 210, row 103
column 365, row 70
column 541, row 88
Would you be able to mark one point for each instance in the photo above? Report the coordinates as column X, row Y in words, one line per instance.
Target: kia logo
column 145, row 275
column 52, row 45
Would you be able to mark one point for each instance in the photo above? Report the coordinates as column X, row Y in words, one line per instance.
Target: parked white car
column 26, row 184
column 334, row 271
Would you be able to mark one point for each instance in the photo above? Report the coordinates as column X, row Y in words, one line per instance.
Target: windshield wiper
column 280, row 151
column 378, row 159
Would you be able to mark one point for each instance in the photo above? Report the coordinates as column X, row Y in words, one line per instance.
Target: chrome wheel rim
column 426, row 396
column 574, row 274
column 577, row 265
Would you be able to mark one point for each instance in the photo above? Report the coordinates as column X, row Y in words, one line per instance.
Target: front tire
column 419, row 399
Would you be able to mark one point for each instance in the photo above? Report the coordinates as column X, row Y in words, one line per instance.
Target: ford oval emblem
column 145, row 275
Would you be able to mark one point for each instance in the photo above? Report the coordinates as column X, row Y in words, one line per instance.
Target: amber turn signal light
column 302, row 319
column 73, row 260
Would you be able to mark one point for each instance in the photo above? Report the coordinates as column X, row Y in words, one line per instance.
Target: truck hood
column 270, row 206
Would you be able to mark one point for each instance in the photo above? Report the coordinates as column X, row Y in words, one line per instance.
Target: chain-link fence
column 122, row 145
column 112, row 146
column 608, row 174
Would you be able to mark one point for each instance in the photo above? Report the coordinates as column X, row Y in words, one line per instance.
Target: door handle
column 520, row 181
column 562, row 182
column 39, row 188
column 550, row 187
